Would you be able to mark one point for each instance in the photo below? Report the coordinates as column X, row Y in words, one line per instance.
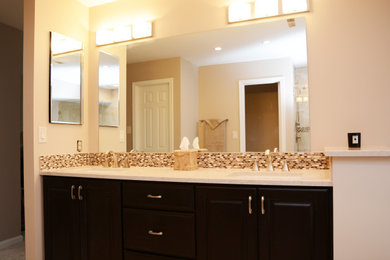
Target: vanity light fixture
column 240, row 11
column 244, row 11
column 142, row 30
column 105, row 36
column 61, row 44
column 264, row 8
column 124, row 33
column 266, row 42
column 294, row 6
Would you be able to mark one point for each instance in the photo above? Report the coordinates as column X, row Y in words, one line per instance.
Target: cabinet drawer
column 140, row 256
column 168, row 233
column 165, row 196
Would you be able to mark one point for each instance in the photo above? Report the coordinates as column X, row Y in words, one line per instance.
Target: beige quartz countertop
column 202, row 175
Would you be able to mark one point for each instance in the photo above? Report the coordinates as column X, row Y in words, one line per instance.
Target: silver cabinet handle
column 153, row 233
column 79, row 192
column 250, row 205
column 262, row 205
column 72, row 196
column 150, row 196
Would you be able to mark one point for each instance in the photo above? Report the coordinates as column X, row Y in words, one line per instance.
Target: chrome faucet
column 114, row 157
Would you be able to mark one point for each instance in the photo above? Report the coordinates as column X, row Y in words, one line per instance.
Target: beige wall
column 348, row 59
column 68, row 17
column 188, row 99
column 151, row 70
column 109, row 137
column 10, row 132
column 219, row 99
column 361, row 208
column 347, row 50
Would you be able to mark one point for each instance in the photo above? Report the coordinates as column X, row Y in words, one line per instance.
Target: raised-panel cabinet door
column 101, row 220
column 61, row 219
column 295, row 224
column 226, row 223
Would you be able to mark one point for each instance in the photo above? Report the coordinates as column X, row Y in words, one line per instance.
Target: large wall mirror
column 242, row 88
column 108, row 89
column 66, row 77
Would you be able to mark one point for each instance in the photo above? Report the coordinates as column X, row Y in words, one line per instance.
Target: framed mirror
column 109, row 78
column 66, row 80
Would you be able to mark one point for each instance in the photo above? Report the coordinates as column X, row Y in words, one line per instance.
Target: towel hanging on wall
column 212, row 134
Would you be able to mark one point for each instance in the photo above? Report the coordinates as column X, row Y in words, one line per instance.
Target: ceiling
column 238, row 43
column 11, row 13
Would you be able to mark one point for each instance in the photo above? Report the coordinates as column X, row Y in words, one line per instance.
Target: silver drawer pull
column 262, row 205
column 250, row 205
column 79, row 192
column 72, row 196
column 150, row 196
column 152, row 233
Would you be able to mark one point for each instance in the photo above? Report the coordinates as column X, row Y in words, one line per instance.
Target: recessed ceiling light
column 266, row 42
column 218, row 48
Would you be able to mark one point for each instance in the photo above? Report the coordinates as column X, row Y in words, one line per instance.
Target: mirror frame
column 81, row 51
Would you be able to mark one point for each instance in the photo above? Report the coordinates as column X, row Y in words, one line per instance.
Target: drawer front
column 140, row 256
column 165, row 196
column 167, row 233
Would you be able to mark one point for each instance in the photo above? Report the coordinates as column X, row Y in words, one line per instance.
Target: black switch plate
column 354, row 140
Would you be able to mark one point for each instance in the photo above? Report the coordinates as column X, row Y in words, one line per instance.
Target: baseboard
column 10, row 242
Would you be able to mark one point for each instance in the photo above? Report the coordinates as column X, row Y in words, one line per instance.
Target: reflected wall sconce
column 124, row 33
column 258, row 9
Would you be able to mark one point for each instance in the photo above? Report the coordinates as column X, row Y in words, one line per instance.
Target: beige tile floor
column 15, row 252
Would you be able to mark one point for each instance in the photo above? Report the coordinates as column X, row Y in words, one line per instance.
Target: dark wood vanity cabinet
column 295, row 223
column 226, row 223
column 175, row 221
column 82, row 219
column 158, row 221
column 276, row 223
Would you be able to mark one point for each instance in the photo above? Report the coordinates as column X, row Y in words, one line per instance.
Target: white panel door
column 152, row 117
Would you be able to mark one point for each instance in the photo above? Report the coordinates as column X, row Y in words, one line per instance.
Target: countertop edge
column 196, row 180
column 345, row 152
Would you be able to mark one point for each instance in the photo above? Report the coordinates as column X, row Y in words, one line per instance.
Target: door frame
column 139, row 84
column 281, row 108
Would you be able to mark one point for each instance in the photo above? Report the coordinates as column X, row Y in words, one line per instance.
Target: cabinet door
column 226, row 223
column 61, row 219
column 295, row 224
column 101, row 221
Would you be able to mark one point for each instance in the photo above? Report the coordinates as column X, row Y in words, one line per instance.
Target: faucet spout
column 269, row 167
column 114, row 157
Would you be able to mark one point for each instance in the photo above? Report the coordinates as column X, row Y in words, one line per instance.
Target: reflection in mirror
column 243, row 88
column 65, row 80
column 108, row 89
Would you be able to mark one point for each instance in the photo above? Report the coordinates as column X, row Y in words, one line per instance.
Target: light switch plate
column 42, row 134
column 235, row 134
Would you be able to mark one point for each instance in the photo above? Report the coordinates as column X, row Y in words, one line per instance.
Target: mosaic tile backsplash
column 205, row 160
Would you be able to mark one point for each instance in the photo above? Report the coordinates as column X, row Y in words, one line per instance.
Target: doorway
column 261, row 117
column 263, row 131
column 153, row 115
